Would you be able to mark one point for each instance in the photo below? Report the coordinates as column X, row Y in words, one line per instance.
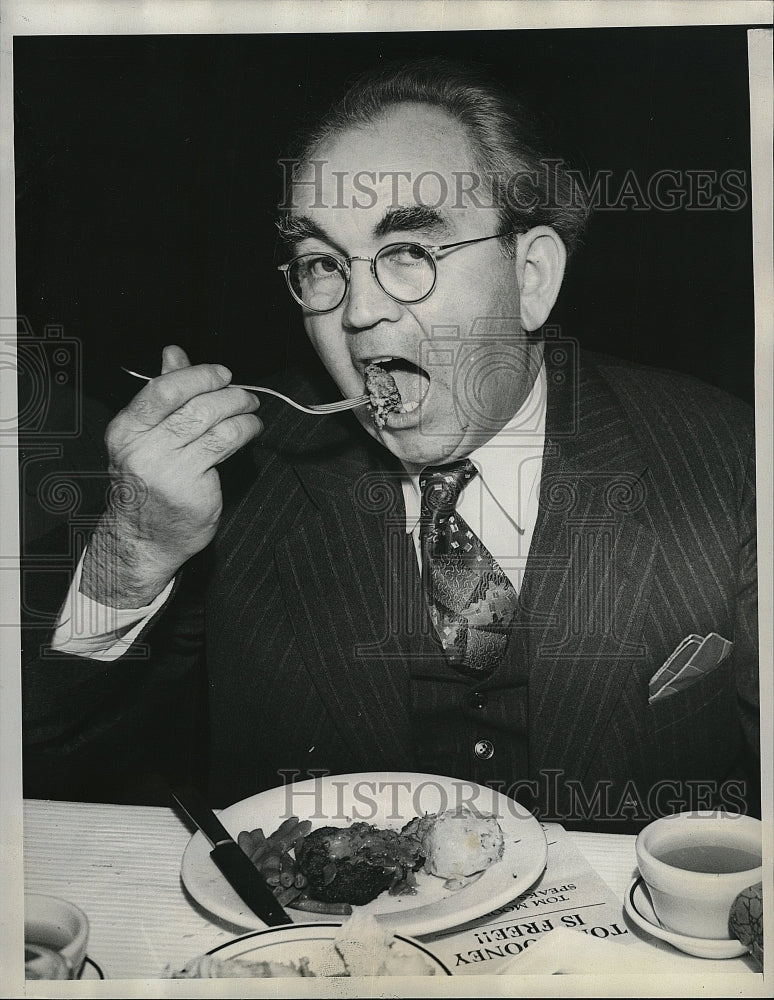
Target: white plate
column 313, row 941
column 387, row 799
column 637, row 904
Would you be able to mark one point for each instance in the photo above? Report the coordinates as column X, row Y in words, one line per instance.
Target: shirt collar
column 525, row 431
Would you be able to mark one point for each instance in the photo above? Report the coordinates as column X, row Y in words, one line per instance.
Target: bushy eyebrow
column 407, row 219
column 410, row 219
column 294, row 228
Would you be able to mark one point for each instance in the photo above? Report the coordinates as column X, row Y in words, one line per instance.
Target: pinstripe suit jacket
column 312, row 612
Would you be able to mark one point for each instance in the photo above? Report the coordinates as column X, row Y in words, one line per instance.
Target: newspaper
column 569, row 894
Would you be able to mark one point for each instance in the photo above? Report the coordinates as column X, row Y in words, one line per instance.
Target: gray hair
column 528, row 185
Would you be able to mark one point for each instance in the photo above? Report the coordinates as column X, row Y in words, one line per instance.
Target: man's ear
column 541, row 259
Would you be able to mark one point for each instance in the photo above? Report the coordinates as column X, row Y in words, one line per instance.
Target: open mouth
column 395, row 385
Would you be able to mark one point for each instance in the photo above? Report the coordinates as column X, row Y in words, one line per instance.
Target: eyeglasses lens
column 318, row 280
column 406, row 271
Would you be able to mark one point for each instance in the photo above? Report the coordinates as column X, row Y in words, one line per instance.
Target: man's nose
column 367, row 303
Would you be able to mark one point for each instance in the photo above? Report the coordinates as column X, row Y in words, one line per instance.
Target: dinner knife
column 241, row 874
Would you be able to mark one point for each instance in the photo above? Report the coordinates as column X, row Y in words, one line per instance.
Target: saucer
column 638, row 906
column 89, row 970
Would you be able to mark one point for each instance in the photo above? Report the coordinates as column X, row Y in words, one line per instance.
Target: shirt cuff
column 96, row 631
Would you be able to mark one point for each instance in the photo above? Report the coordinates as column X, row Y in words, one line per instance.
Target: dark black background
column 147, row 187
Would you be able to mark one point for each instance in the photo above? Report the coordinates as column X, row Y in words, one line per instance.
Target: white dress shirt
column 500, row 505
column 88, row 628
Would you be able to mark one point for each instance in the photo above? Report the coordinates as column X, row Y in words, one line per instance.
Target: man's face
column 461, row 353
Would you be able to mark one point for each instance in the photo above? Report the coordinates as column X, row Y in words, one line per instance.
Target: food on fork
column 383, row 393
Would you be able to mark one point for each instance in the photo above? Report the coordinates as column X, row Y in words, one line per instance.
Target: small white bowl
column 697, row 903
column 59, row 925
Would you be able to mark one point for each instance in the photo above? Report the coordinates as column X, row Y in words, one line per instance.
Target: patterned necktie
column 472, row 602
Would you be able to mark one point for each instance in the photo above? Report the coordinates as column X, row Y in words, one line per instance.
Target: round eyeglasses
column 405, row 271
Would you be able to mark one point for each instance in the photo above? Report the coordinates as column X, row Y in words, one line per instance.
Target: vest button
column 484, row 749
column 477, row 700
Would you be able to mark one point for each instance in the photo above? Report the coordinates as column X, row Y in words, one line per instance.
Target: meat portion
column 383, row 393
column 356, row 864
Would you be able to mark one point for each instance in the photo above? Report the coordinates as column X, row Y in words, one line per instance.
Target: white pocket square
column 692, row 659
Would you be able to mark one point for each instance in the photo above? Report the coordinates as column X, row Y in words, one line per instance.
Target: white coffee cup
column 695, row 864
column 55, row 932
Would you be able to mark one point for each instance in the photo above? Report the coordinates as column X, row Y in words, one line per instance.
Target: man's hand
column 163, row 451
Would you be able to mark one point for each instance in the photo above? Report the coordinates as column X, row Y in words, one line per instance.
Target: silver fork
column 321, row 409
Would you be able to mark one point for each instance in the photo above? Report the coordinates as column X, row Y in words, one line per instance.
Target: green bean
column 285, row 896
column 287, row 870
column 270, row 854
column 270, row 862
column 253, row 843
column 284, row 832
column 302, row 831
column 318, row 906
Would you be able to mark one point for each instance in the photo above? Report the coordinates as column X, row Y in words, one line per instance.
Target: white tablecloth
column 121, row 865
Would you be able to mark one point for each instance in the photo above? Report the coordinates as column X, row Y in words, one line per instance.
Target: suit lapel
column 349, row 573
column 585, row 590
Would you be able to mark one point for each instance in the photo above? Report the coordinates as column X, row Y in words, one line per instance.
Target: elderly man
column 487, row 577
